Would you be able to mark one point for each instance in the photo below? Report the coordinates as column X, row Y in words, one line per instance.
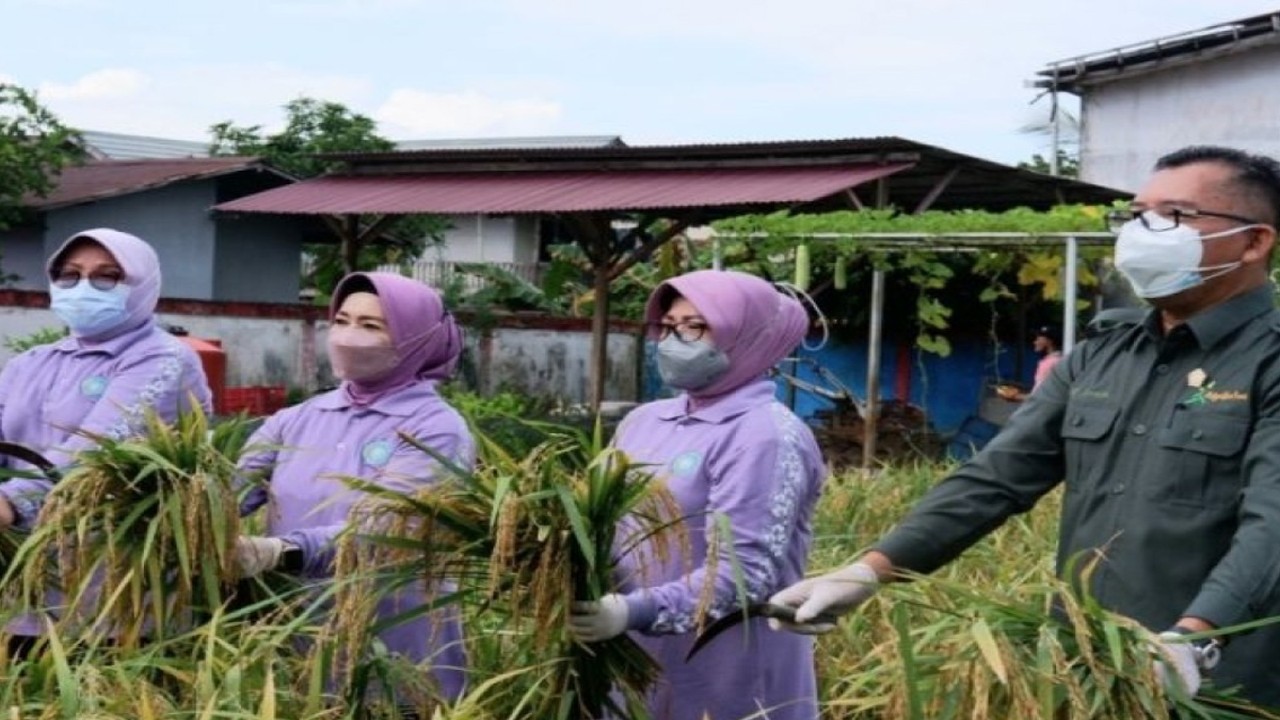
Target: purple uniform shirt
column 309, row 446
column 51, row 391
column 751, row 461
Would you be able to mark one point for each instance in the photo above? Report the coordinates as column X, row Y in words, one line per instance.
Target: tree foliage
column 312, row 128
column 34, row 147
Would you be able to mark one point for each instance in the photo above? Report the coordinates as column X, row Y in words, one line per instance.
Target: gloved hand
column 834, row 593
column 1175, row 664
column 598, row 620
column 256, row 555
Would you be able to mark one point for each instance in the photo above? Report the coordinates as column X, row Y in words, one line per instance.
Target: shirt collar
column 400, row 403
column 726, row 407
column 1211, row 325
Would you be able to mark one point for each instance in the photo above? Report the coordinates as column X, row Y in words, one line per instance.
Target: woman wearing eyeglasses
column 114, row 367
column 747, row 474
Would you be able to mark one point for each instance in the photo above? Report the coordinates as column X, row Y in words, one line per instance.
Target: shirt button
column 1139, row 429
column 1077, row 421
column 1197, row 434
column 1162, row 369
column 1118, row 489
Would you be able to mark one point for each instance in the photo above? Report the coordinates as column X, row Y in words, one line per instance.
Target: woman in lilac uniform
column 727, row 449
column 390, row 340
column 115, row 365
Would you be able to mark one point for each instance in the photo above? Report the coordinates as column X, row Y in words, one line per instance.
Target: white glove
column 1175, row 664
column 835, row 593
column 597, row 621
column 256, row 555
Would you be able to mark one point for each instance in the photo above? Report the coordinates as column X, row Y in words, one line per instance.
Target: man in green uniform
column 1166, row 433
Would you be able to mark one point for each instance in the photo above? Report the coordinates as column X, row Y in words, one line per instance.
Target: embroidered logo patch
column 686, row 463
column 93, row 386
column 376, row 453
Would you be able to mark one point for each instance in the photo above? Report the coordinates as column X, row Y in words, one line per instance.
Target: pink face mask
column 359, row 355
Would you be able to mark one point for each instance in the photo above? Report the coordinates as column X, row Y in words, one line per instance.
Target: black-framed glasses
column 684, row 331
column 104, row 281
column 1166, row 220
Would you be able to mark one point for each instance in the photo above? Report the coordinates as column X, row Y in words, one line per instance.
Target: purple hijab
column 427, row 339
column 141, row 274
column 752, row 322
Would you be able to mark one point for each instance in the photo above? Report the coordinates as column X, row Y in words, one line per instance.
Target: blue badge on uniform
column 93, row 386
column 376, row 453
column 686, row 463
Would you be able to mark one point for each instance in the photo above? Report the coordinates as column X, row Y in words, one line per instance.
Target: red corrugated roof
column 100, row 179
column 558, row 191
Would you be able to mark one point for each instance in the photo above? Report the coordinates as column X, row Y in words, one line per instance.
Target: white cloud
column 182, row 102
column 414, row 113
column 106, row 84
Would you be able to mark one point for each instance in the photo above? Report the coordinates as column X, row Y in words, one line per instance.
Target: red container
column 214, row 361
column 256, row 400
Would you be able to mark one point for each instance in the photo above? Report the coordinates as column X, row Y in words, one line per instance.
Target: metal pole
column 717, row 255
column 1053, row 120
column 870, row 419
column 1069, row 296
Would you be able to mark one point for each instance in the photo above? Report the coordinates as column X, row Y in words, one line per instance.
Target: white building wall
column 1129, row 123
column 486, row 238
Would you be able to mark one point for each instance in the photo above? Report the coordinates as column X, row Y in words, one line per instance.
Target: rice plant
column 143, row 530
column 520, row 539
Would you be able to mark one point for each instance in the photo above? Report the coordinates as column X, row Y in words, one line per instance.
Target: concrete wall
column 173, row 219
column 1130, row 122
column 22, row 254
column 258, row 258
column 285, row 345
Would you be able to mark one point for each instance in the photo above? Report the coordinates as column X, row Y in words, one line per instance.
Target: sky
column 951, row 73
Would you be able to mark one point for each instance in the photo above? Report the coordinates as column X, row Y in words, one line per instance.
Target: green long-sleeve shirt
column 1169, row 446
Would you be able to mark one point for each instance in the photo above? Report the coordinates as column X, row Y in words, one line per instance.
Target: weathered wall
column 279, row 344
column 1129, row 123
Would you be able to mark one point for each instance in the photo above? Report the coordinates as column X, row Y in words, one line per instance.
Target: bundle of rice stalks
column 143, row 530
column 524, row 536
column 1037, row 652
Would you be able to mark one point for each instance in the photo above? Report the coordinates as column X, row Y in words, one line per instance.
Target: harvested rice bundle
column 143, row 529
column 524, row 536
column 1037, row 652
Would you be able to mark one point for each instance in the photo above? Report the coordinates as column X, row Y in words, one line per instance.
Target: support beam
column 1069, row 290
column 927, row 201
column 871, row 414
column 854, row 201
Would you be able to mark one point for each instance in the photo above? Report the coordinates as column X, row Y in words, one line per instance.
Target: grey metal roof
column 1075, row 73
column 541, row 141
column 119, row 146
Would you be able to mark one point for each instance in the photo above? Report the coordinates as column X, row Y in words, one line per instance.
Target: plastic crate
column 257, row 400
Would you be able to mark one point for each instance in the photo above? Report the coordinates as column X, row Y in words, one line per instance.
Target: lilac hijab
column 751, row 321
column 141, row 268
column 427, row 339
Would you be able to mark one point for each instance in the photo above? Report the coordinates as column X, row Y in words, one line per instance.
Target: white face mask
column 1164, row 263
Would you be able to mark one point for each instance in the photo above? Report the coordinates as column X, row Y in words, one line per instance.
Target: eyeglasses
column 100, row 281
column 1165, row 220
column 684, row 332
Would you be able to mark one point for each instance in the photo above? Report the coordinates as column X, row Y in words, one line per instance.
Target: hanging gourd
column 802, row 267
column 841, row 279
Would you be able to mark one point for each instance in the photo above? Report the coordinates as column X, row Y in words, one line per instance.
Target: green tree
column 1068, row 164
column 34, row 147
column 312, row 129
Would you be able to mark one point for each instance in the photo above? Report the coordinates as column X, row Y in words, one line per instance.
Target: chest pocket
column 1205, row 450
column 1084, row 426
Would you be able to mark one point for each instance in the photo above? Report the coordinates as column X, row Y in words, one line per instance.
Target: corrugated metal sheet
column 99, row 179
column 118, row 146
column 559, row 191
column 539, row 141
